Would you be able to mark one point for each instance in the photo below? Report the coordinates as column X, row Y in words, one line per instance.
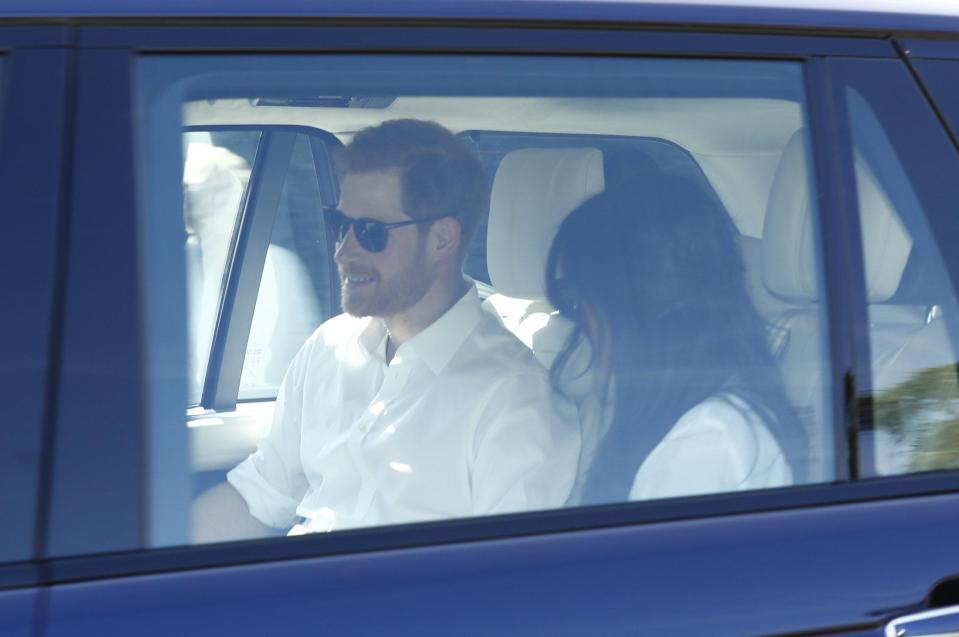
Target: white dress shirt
column 462, row 422
column 719, row 445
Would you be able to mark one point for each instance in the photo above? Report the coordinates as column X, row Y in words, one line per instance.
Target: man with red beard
column 416, row 404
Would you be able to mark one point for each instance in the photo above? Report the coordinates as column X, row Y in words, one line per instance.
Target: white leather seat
column 902, row 338
column 533, row 192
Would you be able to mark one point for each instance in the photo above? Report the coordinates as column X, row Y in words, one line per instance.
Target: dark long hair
column 657, row 262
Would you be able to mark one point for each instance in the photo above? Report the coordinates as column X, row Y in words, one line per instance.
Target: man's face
column 388, row 283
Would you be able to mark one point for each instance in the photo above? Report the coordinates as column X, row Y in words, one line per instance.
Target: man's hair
column 440, row 174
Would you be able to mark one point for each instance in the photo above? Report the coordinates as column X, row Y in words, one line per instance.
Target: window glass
column 294, row 295
column 939, row 77
column 904, row 166
column 216, row 170
column 647, row 314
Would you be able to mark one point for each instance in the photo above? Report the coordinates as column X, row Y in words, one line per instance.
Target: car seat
column 903, row 339
column 533, row 192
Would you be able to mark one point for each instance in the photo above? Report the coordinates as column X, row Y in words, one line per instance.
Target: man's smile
column 353, row 275
column 356, row 280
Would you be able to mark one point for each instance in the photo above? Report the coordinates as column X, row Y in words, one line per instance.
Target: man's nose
column 346, row 248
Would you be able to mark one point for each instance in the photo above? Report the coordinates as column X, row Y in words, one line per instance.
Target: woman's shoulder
column 721, row 414
column 721, row 444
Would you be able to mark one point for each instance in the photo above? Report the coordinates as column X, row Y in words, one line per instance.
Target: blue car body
column 839, row 558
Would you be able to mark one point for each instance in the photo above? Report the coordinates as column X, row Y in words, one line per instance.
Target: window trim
column 929, row 48
column 23, row 37
column 842, row 267
column 918, row 68
column 101, row 361
column 35, row 125
column 452, row 36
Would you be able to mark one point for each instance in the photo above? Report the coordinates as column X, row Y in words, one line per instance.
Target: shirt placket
column 379, row 410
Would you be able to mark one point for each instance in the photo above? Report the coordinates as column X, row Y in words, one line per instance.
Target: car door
column 854, row 546
column 35, row 99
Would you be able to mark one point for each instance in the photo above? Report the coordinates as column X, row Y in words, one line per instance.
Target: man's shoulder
column 495, row 344
column 338, row 331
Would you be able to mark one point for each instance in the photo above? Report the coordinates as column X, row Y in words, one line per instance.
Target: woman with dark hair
column 684, row 397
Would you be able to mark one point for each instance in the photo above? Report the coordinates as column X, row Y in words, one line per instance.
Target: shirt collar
column 439, row 341
column 373, row 338
column 436, row 344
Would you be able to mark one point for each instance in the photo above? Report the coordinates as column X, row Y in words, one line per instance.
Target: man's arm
column 220, row 514
column 271, row 479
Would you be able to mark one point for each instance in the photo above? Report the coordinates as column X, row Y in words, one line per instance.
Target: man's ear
column 446, row 235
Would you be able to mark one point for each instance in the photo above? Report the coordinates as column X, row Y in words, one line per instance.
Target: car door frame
column 35, row 121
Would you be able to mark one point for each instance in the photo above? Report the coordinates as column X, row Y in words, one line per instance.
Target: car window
column 296, row 288
column 939, row 78
column 907, row 210
column 648, row 319
column 216, row 171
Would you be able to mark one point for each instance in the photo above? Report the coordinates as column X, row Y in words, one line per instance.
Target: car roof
column 886, row 15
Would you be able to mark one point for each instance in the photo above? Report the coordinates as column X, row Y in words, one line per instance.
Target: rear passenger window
column 940, row 78
column 903, row 164
column 643, row 316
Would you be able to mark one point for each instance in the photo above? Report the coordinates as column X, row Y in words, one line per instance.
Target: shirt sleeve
column 271, row 479
column 525, row 448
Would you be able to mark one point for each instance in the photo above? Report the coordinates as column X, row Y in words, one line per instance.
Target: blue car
column 166, row 167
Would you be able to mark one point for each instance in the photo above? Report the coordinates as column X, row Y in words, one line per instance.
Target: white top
column 461, row 422
column 719, row 445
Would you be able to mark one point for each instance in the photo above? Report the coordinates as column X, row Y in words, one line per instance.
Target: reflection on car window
column 672, row 345
column 294, row 294
column 215, row 174
column 912, row 306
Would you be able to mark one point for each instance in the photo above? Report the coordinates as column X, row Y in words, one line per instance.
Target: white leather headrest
column 886, row 241
column 788, row 259
column 533, row 191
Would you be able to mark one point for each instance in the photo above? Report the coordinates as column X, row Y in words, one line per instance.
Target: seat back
column 903, row 339
column 533, row 192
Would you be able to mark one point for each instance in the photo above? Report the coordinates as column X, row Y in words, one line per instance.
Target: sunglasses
column 372, row 235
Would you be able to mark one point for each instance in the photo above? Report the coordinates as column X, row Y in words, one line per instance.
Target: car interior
column 544, row 156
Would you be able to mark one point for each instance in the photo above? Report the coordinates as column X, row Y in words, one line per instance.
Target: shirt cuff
column 266, row 504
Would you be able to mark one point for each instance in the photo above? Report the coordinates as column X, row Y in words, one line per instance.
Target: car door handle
column 941, row 622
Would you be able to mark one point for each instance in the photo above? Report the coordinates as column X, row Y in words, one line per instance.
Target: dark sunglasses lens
column 341, row 229
column 372, row 236
column 336, row 225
